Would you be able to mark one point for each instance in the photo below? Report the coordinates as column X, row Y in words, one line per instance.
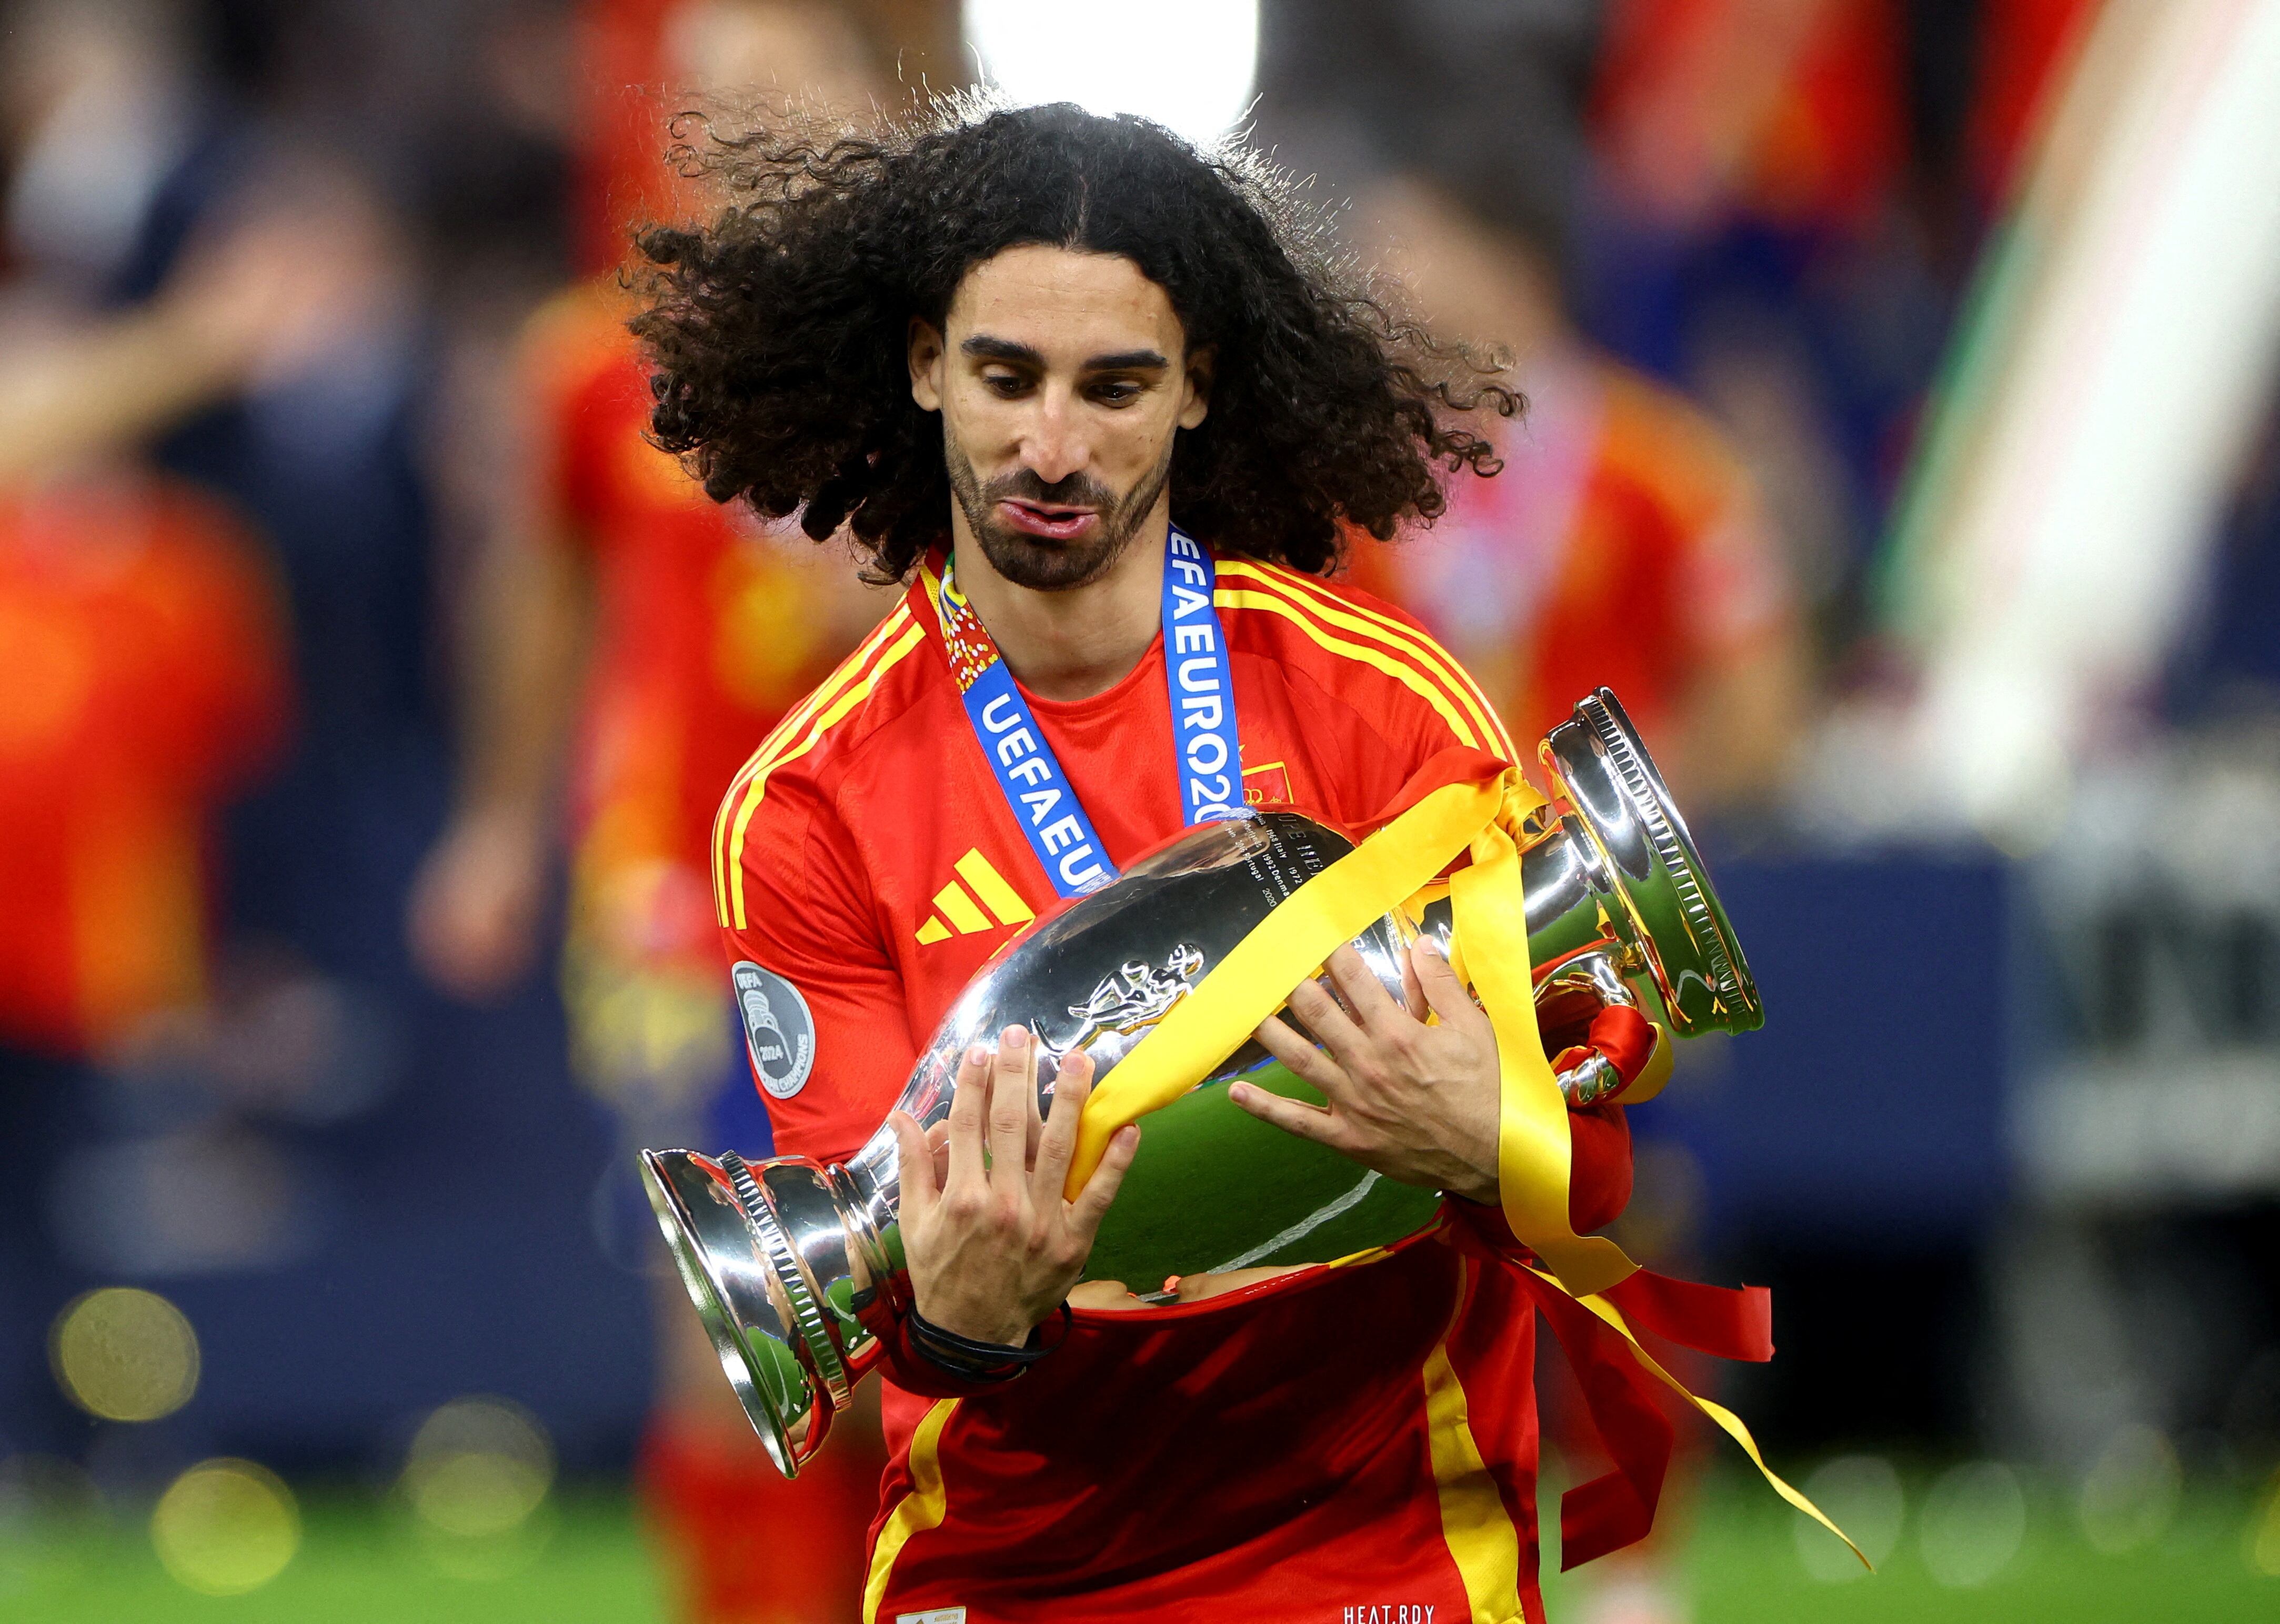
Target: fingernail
column 1016, row 1038
column 978, row 1055
column 1426, row 945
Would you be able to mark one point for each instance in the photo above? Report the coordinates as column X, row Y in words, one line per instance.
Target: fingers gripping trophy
column 1192, row 1043
column 791, row 1263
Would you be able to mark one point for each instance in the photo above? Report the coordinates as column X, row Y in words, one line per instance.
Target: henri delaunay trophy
column 783, row 1258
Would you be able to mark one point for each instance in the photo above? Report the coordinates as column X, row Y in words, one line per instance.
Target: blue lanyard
column 1207, row 752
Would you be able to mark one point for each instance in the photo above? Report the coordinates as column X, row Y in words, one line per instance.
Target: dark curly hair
column 780, row 333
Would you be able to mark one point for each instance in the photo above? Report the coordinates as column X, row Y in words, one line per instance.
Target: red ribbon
column 1621, row 1395
column 1727, row 1324
column 1617, row 1508
column 1623, row 1399
column 1619, row 1032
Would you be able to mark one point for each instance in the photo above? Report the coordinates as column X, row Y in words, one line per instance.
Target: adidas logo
column 957, row 905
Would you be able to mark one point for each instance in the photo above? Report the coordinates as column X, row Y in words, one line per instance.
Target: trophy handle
column 1609, row 867
column 1665, row 904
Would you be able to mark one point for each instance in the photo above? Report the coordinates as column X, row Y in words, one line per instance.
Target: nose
column 1055, row 443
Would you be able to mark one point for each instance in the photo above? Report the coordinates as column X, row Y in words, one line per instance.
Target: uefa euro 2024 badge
column 778, row 1029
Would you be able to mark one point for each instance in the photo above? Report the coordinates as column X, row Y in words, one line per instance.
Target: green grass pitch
column 361, row 1561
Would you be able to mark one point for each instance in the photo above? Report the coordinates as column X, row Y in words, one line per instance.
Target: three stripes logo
column 984, row 902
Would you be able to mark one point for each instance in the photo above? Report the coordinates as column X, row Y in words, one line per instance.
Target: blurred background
column 1902, row 449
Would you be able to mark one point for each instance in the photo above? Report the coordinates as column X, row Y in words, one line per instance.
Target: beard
column 1034, row 561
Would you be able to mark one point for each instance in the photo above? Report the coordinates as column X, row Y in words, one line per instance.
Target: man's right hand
column 993, row 1246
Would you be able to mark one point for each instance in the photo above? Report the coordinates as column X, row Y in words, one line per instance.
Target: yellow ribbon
column 1534, row 1155
column 1728, row 1422
column 1256, row 977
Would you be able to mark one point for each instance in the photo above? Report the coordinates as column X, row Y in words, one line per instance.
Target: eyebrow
column 983, row 347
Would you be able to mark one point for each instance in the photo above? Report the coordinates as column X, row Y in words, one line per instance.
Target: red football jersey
column 1345, row 1443
column 144, row 680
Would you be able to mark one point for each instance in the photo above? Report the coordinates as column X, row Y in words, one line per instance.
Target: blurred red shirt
column 145, row 681
column 1800, row 114
column 706, row 630
column 1622, row 546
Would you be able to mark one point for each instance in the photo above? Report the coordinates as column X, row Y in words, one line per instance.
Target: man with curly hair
column 1104, row 404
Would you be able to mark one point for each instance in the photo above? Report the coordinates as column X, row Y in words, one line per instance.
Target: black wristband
column 982, row 1362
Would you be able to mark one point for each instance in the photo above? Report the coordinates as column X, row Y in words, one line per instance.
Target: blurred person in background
column 193, row 179
column 1633, row 552
column 631, row 642
column 1783, row 203
column 141, row 635
column 1630, row 547
column 144, row 687
column 153, row 127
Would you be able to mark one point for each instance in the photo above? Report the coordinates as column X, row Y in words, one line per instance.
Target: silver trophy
column 792, row 1263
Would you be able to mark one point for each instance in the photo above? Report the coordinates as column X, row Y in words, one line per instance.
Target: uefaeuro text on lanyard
column 1206, row 747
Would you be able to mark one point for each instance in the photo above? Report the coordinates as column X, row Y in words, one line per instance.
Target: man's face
column 1061, row 377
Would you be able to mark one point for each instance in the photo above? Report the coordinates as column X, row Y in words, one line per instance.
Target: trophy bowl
column 791, row 1260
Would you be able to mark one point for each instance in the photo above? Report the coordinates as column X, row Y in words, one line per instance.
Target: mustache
column 1075, row 490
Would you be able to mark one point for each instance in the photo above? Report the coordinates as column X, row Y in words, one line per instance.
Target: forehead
column 1063, row 303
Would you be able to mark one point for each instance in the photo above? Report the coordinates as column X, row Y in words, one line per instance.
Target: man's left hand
column 1418, row 1103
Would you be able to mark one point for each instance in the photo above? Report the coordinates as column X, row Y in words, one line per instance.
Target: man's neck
column 1075, row 643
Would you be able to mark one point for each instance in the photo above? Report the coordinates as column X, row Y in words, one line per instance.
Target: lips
column 1049, row 523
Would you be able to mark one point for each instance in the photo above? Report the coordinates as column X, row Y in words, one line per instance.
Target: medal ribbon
column 1206, row 751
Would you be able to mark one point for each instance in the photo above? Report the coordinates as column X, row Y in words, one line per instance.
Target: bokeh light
column 124, row 1355
column 478, row 1470
column 2130, row 1495
column 226, row 1527
column 1186, row 64
column 1861, row 1495
column 1973, row 1523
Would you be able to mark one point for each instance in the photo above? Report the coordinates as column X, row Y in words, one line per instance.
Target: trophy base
column 738, row 1266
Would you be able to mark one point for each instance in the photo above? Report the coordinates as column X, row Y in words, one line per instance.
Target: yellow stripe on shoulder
column 1394, row 628
column 796, row 735
column 824, row 692
column 848, row 670
column 922, row 1508
column 1366, row 622
column 1422, row 645
column 809, row 737
column 1401, row 670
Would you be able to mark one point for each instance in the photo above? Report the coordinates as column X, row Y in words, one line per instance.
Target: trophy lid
column 1598, row 762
